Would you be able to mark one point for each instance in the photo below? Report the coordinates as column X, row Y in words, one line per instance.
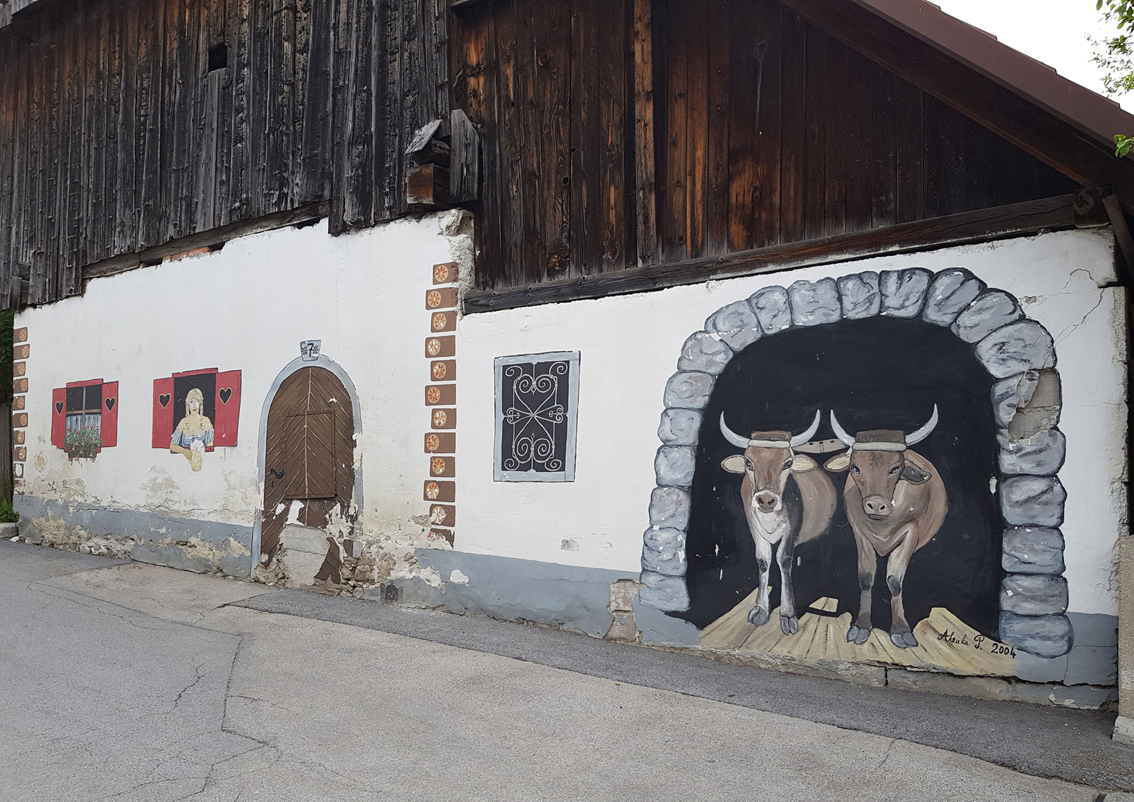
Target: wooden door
column 309, row 453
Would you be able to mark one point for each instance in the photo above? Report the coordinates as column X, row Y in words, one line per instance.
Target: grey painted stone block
column 1005, row 400
column 704, row 352
column 949, row 293
column 1041, row 455
column 669, row 562
column 1032, row 668
column 903, row 291
column 674, row 466
column 1092, row 665
column 666, row 593
column 736, row 324
column 989, row 312
column 1028, row 403
column 814, row 303
column 688, row 390
column 1015, row 348
column 669, row 507
column 1032, row 501
column 1095, row 629
column 1032, row 550
column 659, row 629
column 1033, row 594
column 1044, row 635
column 680, row 427
column 663, row 539
column 772, row 309
column 860, row 295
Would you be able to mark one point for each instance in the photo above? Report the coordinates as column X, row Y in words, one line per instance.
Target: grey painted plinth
column 1026, row 400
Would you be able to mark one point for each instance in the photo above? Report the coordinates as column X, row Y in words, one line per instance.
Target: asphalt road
column 130, row 682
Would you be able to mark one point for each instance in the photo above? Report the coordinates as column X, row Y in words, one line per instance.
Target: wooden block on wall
column 440, row 346
column 20, row 420
column 443, row 466
column 441, row 534
column 20, row 453
column 443, row 321
column 440, row 491
column 440, row 442
column 441, row 394
column 20, row 386
column 443, row 370
column 445, row 273
column 443, row 419
column 20, row 335
column 19, row 368
column 18, row 436
column 18, row 401
column 21, row 352
column 443, row 298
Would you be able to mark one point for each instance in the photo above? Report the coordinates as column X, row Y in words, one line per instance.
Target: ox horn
column 924, row 431
column 840, row 432
column 731, row 436
column 800, row 439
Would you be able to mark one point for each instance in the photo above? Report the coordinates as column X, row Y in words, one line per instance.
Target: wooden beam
column 1024, row 124
column 1016, row 219
column 1121, row 235
column 217, row 236
column 644, row 168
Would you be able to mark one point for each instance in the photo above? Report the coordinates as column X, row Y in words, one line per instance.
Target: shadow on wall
column 878, row 373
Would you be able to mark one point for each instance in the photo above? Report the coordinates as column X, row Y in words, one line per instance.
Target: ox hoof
column 857, row 635
column 758, row 617
column 903, row 639
column 789, row 624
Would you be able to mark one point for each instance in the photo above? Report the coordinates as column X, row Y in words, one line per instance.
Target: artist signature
column 977, row 642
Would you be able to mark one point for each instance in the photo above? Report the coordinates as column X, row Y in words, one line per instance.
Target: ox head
column 877, row 462
column 768, row 459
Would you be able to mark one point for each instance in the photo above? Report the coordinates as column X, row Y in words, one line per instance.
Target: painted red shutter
column 58, row 416
column 109, row 414
column 163, row 413
column 227, row 408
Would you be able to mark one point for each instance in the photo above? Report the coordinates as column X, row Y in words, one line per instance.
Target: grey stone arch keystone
column 306, row 360
column 1017, row 352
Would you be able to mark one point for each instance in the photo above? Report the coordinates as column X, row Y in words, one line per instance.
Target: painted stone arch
column 1016, row 351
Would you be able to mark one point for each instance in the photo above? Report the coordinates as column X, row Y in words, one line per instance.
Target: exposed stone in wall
column 622, row 594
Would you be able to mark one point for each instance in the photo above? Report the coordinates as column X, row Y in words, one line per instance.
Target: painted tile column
column 21, row 352
column 441, row 398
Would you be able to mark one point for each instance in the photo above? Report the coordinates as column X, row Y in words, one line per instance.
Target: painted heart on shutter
column 163, row 399
column 225, row 394
column 109, row 404
column 59, row 407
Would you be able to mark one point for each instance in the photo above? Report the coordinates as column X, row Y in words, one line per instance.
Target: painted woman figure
column 194, row 432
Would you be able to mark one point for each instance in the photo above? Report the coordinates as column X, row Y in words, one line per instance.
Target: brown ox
column 895, row 502
column 768, row 461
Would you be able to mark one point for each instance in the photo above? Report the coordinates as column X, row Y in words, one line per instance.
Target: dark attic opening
column 878, row 373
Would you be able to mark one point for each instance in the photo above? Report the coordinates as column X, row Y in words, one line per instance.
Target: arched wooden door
column 308, row 453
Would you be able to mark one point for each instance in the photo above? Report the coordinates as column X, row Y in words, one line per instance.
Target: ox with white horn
column 895, row 502
column 774, row 516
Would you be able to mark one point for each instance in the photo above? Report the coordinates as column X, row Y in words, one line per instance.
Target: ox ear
column 802, row 464
column 914, row 475
column 838, row 464
column 733, row 464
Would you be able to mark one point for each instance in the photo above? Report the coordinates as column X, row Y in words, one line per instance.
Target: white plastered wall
column 630, row 345
column 245, row 307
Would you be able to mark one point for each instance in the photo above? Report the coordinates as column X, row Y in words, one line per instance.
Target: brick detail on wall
column 441, row 397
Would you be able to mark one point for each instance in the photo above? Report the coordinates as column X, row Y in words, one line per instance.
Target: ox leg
column 900, row 633
column 760, row 614
column 867, row 564
column 789, row 623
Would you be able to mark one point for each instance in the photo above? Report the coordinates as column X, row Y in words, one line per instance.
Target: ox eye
column 895, row 469
column 748, row 464
column 855, row 469
column 787, row 465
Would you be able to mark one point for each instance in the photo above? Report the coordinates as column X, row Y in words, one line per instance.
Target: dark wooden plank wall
column 768, row 132
column 115, row 137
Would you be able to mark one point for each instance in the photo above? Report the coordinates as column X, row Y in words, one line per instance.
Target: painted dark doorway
column 308, row 453
column 875, row 373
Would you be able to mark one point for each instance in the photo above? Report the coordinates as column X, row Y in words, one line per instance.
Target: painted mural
column 84, row 418
column 196, row 411
column 845, row 490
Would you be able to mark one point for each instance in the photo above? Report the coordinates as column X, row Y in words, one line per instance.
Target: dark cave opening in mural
column 878, row 373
